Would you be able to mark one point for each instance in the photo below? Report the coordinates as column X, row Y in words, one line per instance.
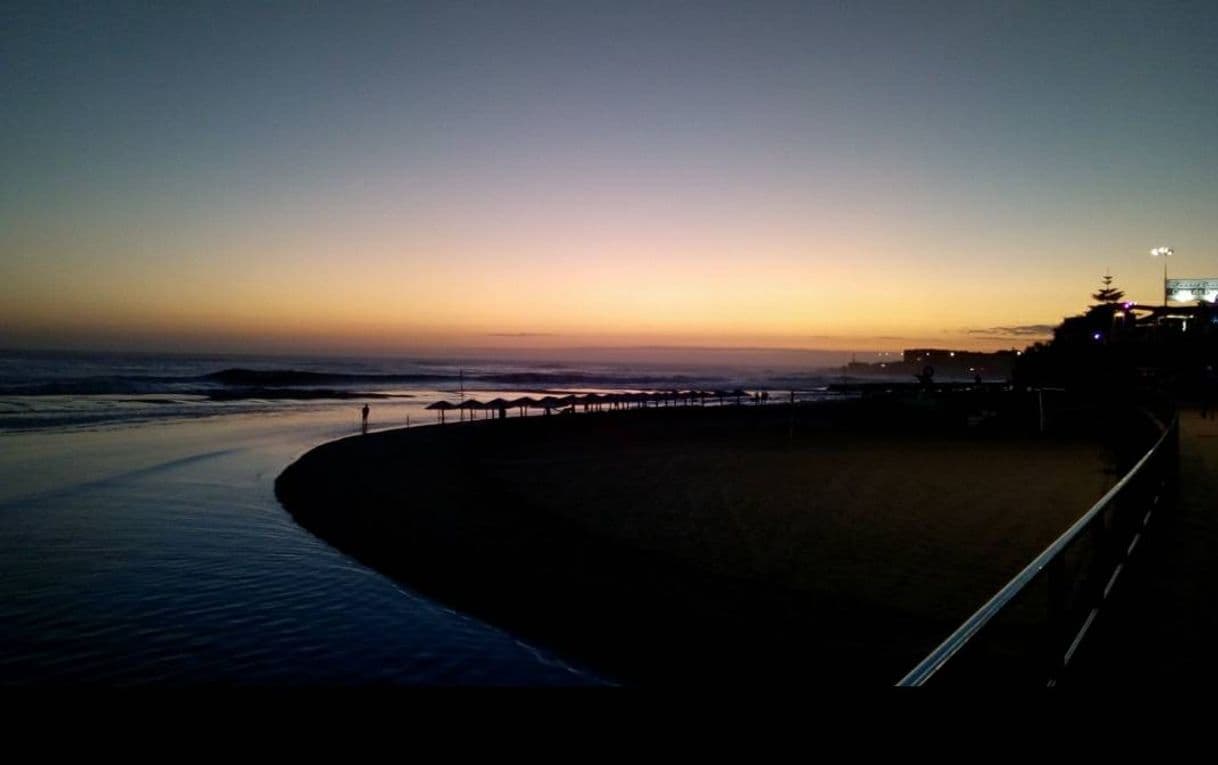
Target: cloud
column 1022, row 330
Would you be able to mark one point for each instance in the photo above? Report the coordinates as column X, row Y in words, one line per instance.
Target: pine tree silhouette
column 1108, row 294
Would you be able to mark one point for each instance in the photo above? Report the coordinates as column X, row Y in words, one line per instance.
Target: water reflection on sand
column 156, row 552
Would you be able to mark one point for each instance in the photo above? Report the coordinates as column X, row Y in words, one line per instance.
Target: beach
column 753, row 544
column 141, row 540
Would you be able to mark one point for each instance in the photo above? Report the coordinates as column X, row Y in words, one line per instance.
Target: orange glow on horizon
column 781, row 305
column 302, row 292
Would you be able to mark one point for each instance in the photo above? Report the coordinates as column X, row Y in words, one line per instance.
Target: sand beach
column 744, row 544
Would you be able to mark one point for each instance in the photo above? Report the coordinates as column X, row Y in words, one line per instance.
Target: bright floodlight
column 1163, row 252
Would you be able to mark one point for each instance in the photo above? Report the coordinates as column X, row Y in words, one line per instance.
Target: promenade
column 1161, row 626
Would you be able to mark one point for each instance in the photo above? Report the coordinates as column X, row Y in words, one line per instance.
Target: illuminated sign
column 1190, row 290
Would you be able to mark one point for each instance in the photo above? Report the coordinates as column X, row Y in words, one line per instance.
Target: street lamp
column 1165, row 253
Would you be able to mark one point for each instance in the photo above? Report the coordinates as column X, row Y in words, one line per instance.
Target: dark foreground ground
column 1161, row 626
column 809, row 544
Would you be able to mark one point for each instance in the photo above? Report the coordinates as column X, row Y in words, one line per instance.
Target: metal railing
column 1032, row 628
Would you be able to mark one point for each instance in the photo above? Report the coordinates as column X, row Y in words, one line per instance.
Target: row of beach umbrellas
column 592, row 402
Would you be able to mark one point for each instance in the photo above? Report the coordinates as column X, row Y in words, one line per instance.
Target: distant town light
column 1096, row 336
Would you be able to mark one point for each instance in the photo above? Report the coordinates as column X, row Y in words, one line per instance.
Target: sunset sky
column 399, row 176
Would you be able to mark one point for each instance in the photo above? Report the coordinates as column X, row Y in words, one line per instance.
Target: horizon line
column 438, row 352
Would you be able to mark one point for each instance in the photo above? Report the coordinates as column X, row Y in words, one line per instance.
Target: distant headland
column 946, row 363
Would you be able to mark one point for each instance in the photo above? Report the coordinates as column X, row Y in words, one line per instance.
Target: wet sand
column 155, row 554
column 745, row 544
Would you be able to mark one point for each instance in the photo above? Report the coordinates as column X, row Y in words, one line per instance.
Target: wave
column 295, row 394
column 268, row 381
column 295, row 377
column 90, row 386
column 238, row 383
column 227, row 384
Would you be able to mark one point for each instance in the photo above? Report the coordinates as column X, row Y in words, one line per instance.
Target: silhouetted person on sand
column 364, row 423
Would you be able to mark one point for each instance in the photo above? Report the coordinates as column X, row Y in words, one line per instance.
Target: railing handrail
column 971, row 626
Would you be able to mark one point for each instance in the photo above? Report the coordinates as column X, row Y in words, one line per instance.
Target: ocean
column 141, row 542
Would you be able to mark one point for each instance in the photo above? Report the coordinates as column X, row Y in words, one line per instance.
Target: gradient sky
column 396, row 176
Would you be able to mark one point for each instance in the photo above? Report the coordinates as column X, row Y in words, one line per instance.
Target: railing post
column 1171, row 469
column 1107, row 554
column 1057, row 584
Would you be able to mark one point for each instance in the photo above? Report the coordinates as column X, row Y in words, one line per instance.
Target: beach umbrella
column 498, row 405
column 549, row 402
column 523, row 403
column 442, row 407
column 473, row 405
